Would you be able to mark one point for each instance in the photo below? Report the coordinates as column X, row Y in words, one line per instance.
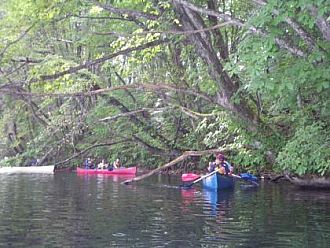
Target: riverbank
column 306, row 181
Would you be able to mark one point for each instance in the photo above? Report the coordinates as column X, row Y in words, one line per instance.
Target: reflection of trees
column 25, row 213
column 273, row 216
column 92, row 211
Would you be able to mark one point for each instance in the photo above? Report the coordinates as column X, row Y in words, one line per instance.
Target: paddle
column 189, row 177
column 247, row 177
column 199, row 179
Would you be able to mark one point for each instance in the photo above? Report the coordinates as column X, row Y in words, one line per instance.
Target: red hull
column 122, row 171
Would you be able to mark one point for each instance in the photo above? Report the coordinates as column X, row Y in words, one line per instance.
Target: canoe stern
column 218, row 182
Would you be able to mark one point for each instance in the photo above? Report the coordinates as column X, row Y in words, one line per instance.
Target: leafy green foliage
column 287, row 94
column 307, row 152
column 226, row 134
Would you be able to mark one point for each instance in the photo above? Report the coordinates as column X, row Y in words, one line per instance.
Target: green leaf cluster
column 307, row 151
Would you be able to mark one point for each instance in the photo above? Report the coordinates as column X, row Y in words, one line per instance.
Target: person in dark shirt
column 220, row 163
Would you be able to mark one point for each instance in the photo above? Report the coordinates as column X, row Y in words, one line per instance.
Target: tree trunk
column 202, row 41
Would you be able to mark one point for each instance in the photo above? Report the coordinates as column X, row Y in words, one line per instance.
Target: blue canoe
column 218, row 182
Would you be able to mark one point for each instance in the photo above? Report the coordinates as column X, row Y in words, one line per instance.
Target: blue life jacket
column 227, row 166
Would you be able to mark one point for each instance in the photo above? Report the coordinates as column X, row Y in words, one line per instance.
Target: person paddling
column 228, row 168
column 220, row 163
column 117, row 164
column 87, row 163
column 102, row 165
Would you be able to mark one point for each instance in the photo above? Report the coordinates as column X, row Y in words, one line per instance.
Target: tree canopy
column 146, row 80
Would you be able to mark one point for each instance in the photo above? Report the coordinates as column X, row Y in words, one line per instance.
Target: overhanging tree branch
column 150, row 148
column 235, row 21
column 189, row 112
column 205, row 49
column 89, row 148
column 97, row 61
column 143, row 110
column 179, row 159
column 150, row 87
column 174, row 32
column 294, row 25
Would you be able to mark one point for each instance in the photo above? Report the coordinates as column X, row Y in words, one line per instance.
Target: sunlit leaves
column 95, row 10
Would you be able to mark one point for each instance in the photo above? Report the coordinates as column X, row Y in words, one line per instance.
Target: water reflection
column 188, row 198
column 220, row 201
column 115, row 178
column 68, row 210
column 213, row 202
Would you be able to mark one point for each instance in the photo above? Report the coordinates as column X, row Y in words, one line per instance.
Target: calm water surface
column 68, row 210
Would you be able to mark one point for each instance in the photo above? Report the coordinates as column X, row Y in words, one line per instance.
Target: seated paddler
column 221, row 164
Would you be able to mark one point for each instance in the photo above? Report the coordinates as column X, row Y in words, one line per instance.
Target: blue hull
column 218, row 182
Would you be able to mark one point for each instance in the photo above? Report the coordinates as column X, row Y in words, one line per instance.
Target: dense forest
column 147, row 80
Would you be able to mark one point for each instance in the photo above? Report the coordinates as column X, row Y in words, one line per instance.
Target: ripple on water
column 66, row 210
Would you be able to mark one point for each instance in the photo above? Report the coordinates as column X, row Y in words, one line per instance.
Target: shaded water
column 68, row 210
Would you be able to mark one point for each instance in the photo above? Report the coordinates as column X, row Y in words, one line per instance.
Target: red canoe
column 121, row 171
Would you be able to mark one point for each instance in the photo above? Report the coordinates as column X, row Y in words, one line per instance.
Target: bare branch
column 173, row 162
column 102, row 18
column 185, row 110
column 26, row 60
column 111, row 118
column 194, row 114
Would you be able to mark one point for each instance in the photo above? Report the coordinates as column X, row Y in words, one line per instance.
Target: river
column 69, row 210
